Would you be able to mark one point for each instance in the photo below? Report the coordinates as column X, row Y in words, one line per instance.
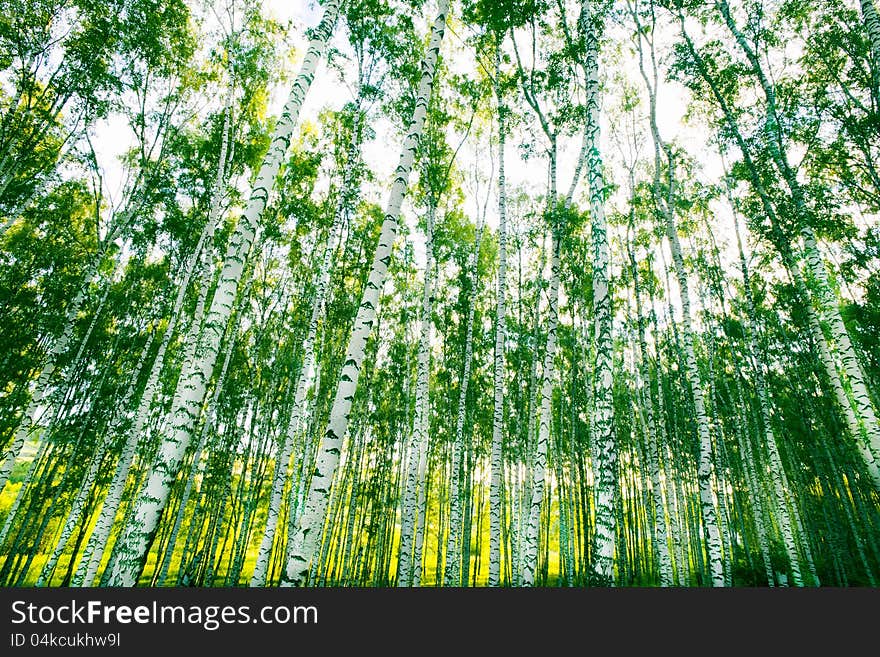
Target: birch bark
column 191, row 389
column 304, row 541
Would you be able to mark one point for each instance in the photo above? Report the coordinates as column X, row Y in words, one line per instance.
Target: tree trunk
column 191, row 390
column 539, row 466
column 417, row 453
column 828, row 306
column 872, row 26
column 602, row 411
column 496, row 463
column 304, row 541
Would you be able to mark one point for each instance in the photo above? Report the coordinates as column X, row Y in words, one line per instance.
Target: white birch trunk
column 539, row 465
column 191, row 389
column 30, row 417
column 306, row 377
column 704, row 472
column 661, row 524
column 197, row 468
column 452, row 571
column 602, row 411
column 97, row 458
column 531, row 447
column 861, row 400
column 417, row 454
column 90, row 562
column 872, row 26
column 719, row 484
column 758, row 507
column 776, row 471
column 421, row 513
column 304, row 542
column 869, row 433
column 496, row 462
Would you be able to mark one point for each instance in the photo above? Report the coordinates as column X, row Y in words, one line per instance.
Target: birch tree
column 304, row 540
column 192, row 387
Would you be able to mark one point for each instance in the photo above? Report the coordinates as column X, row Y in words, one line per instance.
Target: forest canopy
column 440, row 293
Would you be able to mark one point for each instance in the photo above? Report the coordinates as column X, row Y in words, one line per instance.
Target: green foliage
column 780, row 148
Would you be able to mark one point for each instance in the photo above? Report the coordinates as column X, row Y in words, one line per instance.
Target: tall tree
column 304, row 540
